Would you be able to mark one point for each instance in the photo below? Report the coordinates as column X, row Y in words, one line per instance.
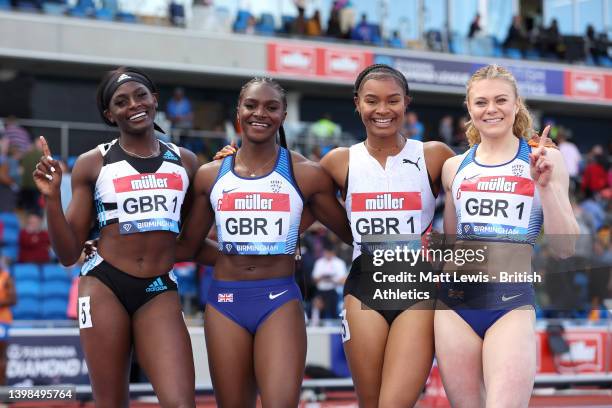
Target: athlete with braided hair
column 254, row 321
column 389, row 352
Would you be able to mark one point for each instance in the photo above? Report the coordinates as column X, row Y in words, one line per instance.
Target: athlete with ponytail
column 389, row 352
column 498, row 194
column 254, row 321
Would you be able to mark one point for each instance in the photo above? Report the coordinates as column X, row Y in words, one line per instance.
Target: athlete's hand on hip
column 227, row 150
column 47, row 174
column 539, row 162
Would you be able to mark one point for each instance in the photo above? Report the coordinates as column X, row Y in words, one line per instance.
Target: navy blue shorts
column 250, row 303
column 482, row 304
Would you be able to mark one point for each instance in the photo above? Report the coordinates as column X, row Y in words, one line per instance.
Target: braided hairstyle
column 283, row 94
column 381, row 71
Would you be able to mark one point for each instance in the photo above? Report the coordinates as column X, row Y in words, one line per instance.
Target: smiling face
column 132, row 107
column 492, row 104
column 381, row 103
column 261, row 112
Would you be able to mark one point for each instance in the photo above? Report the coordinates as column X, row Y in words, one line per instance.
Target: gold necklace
column 155, row 153
column 253, row 173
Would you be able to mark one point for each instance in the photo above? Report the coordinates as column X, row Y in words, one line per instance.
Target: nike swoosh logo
column 230, row 190
column 470, row 178
column 505, row 299
column 273, row 296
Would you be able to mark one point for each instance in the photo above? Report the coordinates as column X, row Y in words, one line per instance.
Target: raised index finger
column 544, row 137
column 45, row 147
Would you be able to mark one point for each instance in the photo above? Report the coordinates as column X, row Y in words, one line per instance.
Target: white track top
column 140, row 194
column 393, row 200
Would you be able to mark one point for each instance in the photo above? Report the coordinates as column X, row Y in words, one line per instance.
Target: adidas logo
column 123, row 77
column 169, row 155
column 156, row 286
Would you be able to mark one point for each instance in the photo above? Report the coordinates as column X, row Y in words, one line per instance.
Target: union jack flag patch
column 225, row 298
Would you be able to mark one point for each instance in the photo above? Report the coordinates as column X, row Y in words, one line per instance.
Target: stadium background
column 52, row 54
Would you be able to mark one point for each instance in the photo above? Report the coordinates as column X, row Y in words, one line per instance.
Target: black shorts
column 131, row 291
column 361, row 286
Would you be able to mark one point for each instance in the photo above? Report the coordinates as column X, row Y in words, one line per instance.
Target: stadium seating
column 27, row 289
column 55, row 272
column 55, row 290
column 54, row 308
column 266, row 24
column 27, row 309
column 242, row 19
column 5, row 4
column 26, row 272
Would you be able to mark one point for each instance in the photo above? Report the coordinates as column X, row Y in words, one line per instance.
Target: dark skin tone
column 9, row 300
column 378, row 354
column 163, row 349
column 242, row 364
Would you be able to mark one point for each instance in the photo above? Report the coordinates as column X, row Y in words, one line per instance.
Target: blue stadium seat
column 9, row 219
column 54, row 308
column 26, row 272
column 55, row 289
column 54, row 8
column 10, row 251
column 126, row 17
column 27, row 289
column 27, row 309
column 514, row 53
column 55, row 272
column 266, row 24
column 5, row 4
column 29, row 6
column 242, row 19
column 105, row 15
column 533, row 55
column 286, row 23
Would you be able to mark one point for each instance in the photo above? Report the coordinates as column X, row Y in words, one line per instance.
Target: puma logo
column 416, row 163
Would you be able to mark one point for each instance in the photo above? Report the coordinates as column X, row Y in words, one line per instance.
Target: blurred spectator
column 8, row 298
column 460, row 139
column 594, row 47
column 17, row 136
column 177, row 14
column 474, row 27
column 251, row 25
column 594, row 210
column 29, row 197
column 571, row 156
column 517, row 36
column 329, row 273
column 333, row 24
column 324, row 131
column 299, row 24
column 364, row 31
column 412, row 127
column 551, row 42
column 445, row 131
column 595, row 175
column 313, row 25
column 396, row 41
column 34, row 241
column 10, row 176
column 179, row 110
column 347, row 15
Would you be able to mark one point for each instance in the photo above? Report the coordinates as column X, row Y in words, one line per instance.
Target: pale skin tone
column 499, row 371
column 378, row 354
column 272, row 361
column 163, row 349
